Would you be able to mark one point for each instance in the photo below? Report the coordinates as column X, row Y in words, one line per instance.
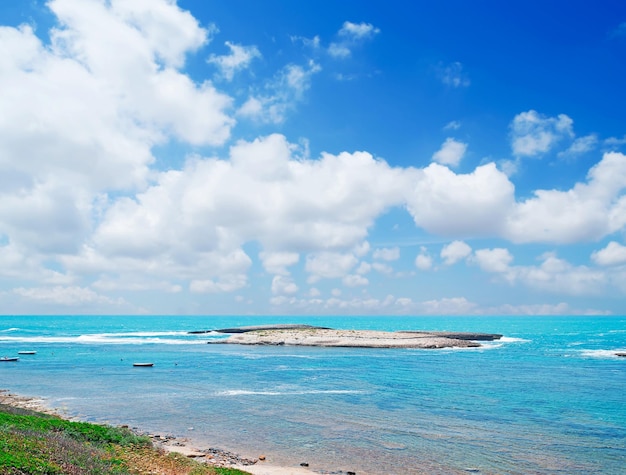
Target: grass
column 32, row 443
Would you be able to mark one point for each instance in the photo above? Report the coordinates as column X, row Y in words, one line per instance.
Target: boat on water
column 27, row 352
column 9, row 358
column 144, row 365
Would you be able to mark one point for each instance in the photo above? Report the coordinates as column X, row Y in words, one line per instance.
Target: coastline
column 184, row 446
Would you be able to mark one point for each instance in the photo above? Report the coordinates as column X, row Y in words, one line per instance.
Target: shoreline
column 169, row 443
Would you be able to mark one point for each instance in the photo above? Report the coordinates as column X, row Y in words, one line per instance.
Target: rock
column 304, row 464
column 622, row 355
column 261, row 457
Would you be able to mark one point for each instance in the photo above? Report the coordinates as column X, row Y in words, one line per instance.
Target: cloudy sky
column 278, row 157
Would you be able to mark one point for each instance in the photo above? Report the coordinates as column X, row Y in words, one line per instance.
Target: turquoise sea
column 549, row 398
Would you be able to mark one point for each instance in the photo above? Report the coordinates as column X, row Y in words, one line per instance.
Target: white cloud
column 552, row 275
column 364, row 268
column 580, row 145
column 387, row 254
column 358, row 30
column 452, row 125
column 613, row 254
column 66, row 296
column 382, row 268
column 351, row 34
column 460, row 205
column 239, row 58
column 559, row 276
column 586, row 212
column 226, row 283
column 282, row 285
column 277, row 262
column 454, row 252
column 493, row 260
column 453, row 75
column 447, row 306
column 423, row 261
column 329, row 265
column 534, row 134
column 450, row 153
column 339, row 50
column 285, row 91
column 354, row 280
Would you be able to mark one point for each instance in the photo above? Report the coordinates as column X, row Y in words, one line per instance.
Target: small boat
column 144, row 365
column 27, row 352
column 9, row 358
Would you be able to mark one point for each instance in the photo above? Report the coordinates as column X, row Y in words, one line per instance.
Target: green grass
column 32, row 443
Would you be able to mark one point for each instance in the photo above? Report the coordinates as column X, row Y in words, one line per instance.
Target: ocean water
column 549, row 398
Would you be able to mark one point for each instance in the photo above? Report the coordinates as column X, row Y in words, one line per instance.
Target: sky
column 312, row 158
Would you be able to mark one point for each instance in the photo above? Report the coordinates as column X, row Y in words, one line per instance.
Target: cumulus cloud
column 613, row 254
column 239, row 58
column 282, row 285
column 277, row 262
column 450, row 153
column 423, row 261
column 553, row 275
column 493, row 260
column 460, row 205
column 454, row 252
column 586, row 212
column 387, row 253
column 533, row 134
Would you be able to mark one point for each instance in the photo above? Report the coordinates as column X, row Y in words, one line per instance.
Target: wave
column 101, row 339
column 510, row 339
column 603, row 354
column 10, row 330
column 245, row 392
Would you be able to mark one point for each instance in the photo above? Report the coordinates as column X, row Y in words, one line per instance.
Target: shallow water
column 547, row 399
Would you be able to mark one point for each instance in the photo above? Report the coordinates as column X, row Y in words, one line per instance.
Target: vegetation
column 32, row 443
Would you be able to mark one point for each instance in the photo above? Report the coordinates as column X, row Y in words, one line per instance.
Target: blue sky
column 321, row 157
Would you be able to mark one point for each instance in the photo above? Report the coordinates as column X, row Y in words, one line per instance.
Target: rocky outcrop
column 462, row 335
column 303, row 335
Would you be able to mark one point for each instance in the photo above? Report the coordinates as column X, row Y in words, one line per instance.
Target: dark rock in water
column 304, row 464
column 623, row 355
column 198, row 332
column 268, row 327
column 461, row 335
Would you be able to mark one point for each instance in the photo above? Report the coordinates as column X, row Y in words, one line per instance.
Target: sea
column 547, row 398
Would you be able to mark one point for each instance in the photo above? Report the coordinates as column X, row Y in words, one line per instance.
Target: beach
column 211, row 456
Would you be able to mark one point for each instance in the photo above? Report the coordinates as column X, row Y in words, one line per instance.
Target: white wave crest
column 9, row 330
column 603, row 354
column 510, row 339
column 101, row 339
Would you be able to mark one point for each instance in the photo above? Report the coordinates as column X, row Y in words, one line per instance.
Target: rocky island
column 306, row 335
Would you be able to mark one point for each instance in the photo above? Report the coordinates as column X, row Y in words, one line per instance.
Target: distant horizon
column 312, row 158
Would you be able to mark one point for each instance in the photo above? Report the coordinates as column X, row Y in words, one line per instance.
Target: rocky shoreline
column 306, row 335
